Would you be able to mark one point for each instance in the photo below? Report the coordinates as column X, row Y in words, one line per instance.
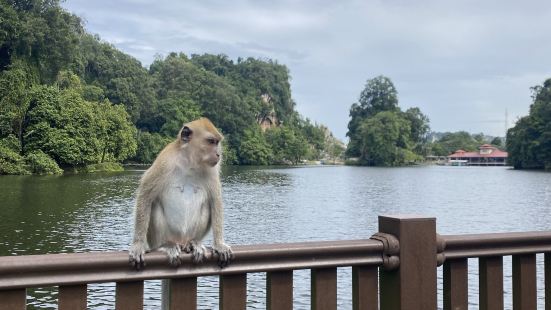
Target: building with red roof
column 487, row 155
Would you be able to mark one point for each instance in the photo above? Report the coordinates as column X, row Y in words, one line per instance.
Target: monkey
column 179, row 199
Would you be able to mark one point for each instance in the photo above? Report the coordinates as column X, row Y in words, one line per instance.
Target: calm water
column 80, row 213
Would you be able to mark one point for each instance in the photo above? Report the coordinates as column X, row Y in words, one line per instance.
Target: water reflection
column 80, row 213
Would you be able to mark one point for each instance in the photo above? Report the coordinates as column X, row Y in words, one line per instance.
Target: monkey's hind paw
column 198, row 252
column 173, row 253
column 224, row 253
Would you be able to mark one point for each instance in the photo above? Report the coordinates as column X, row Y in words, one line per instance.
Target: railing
column 395, row 269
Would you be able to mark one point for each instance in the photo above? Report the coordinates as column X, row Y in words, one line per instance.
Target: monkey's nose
column 217, row 155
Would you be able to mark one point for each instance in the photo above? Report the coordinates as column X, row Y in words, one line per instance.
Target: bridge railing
column 395, row 269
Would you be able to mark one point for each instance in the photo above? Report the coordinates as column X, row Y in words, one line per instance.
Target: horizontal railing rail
column 496, row 244
column 81, row 268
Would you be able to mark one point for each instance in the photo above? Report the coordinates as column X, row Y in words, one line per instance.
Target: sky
column 463, row 63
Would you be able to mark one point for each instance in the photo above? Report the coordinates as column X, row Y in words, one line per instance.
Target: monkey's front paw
column 136, row 255
column 173, row 253
column 224, row 253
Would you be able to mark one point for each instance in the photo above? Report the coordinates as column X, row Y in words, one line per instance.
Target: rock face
column 267, row 118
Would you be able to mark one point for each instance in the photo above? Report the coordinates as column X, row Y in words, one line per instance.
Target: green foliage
column 419, row 125
column 103, row 167
column 77, row 132
column 11, row 162
column 287, row 145
column 71, row 97
column 529, row 141
column 39, row 162
column 380, row 133
column 114, row 131
column 386, row 140
column 149, row 146
column 497, row 142
column 453, row 141
column 254, row 149
column 378, row 95
column 176, row 111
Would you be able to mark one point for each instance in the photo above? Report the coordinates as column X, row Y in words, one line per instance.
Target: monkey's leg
column 173, row 252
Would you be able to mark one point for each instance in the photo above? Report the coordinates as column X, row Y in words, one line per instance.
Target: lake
column 93, row 212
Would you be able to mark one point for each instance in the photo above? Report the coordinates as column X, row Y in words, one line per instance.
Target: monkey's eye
column 212, row 141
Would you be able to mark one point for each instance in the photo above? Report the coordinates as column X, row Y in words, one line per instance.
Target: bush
column 103, row 167
column 39, row 162
column 11, row 162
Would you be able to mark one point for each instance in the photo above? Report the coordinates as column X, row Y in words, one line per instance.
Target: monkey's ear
column 186, row 134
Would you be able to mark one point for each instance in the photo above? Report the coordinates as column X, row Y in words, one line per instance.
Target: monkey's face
column 212, row 151
column 203, row 142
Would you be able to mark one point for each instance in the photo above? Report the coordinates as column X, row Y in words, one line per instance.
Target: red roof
column 496, row 153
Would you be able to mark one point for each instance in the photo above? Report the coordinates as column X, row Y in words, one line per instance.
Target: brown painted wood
column 13, row 299
column 279, row 290
column 524, row 282
column 129, row 295
column 72, row 297
column 547, row 272
column 183, row 293
column 413, row 285
column 490, row 283
column 365, row 283
column 456, row 284
column 233, row 292
column 324, row 289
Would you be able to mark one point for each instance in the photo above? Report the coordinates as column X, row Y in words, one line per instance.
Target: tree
column 115, row 132
column 497, row 141
column 254, row 150
column 451, row 142
column 386, row 140
column 419, row 124
column 378, row 95
column 14, row 99
column 529, row 141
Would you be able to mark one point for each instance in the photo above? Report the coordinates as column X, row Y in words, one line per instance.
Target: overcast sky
column 462, row 62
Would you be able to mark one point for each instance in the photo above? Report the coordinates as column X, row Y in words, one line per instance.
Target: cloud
column 463, row 62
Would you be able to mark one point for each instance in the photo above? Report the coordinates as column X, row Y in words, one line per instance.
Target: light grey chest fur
column 187, row 205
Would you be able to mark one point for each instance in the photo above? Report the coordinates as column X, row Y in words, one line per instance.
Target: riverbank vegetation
column 529, row 141
column 69, row 99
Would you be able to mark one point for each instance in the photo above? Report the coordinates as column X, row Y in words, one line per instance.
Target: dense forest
column 529, row 141
column 70, row 100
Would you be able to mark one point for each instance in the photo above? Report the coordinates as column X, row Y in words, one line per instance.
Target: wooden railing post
column 413, row 285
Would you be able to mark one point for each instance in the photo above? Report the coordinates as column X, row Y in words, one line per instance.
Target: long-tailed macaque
column 179, row 199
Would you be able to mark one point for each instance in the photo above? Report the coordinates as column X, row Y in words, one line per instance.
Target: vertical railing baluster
column 547, row 275
column 183, row 293
column 233, row 292
column 524, row 282
column 456, row 284
column 279, row 290
column 72, row 297
column 13, row 299
column 490, row 283
column 129, row 295
column 324, row 289
column 365, row 283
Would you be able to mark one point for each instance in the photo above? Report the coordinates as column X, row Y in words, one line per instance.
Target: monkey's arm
column 144, row 203
column 219, row 247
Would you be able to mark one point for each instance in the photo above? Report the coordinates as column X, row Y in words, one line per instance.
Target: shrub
column 39, row 162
